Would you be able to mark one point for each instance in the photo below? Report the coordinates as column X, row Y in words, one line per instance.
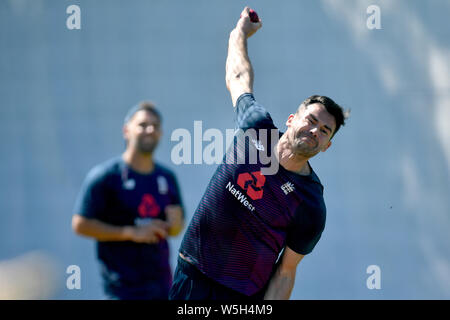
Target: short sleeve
column 91, row 201
column 306, row 229
column 251, row 114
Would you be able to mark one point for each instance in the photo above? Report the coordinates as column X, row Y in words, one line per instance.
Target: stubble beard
column 301, row 146
column 146, row 147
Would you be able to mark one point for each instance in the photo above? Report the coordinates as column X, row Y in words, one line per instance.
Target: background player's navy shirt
column 114, row 193
column 245, row 219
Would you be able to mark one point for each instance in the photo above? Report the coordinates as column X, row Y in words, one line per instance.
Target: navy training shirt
column 245, row 219
column 116, row 194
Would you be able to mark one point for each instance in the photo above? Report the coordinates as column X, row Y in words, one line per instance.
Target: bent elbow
column 230, row 77
column 77, row 224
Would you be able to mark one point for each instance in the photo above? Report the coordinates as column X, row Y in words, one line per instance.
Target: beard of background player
column 146, row 144
column 143, row 132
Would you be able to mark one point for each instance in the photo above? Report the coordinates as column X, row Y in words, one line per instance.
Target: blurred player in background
column 246, row 219
column 130, row 205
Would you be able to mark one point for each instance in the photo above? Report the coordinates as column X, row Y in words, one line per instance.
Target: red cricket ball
column 253, row 16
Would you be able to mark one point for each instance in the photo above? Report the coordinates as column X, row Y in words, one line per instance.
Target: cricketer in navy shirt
column 116, row 194
column 245, row 219
column 256, row 221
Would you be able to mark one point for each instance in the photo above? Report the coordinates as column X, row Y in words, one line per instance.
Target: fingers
column 160, row 228
column 250, row 14
column 160, row 233
column 152, row 232
column 249, row 22
column 157, row 228
column 245, row 12
column 160, row 224
column 152, row 238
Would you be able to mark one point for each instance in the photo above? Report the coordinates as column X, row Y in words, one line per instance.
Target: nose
column 314, row 131
column 150, row 129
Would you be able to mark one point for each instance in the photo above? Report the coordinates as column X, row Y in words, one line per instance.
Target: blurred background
column 64, row 93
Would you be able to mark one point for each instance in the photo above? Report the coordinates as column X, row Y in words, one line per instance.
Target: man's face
column 310, row 130
column 142, row 132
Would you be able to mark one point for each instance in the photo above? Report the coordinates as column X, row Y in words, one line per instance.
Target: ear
column 125, row 132
column 327, row 146
column 289, row 120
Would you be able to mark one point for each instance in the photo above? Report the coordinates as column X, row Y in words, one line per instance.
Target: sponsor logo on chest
column 239, row 196
column 252, row 184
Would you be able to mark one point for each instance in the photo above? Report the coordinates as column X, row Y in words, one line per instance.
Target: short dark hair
column 143, row 105
column 332, row 107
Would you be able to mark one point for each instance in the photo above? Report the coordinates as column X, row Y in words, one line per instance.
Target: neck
column 138, row 161
column 291, row 161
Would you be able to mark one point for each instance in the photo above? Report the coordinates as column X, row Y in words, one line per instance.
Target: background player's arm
column 174, row 214
column 281, row 284
column 150, row 233
column 239, row 71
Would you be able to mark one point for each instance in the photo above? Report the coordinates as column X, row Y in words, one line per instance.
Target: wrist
column 237, row 33
column 127, row 233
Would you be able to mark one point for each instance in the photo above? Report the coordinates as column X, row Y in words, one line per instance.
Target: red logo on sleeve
column 252, row 183
column 149, row 207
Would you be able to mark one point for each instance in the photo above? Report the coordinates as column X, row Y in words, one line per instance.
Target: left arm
column 174, row 210
column 174, row 214
column 281, row 284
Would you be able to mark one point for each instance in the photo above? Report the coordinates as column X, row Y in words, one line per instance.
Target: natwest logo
column 252, row 183
column 148, row 208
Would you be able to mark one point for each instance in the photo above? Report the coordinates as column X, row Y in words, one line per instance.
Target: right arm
column 101, row 231
column 239, row 72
